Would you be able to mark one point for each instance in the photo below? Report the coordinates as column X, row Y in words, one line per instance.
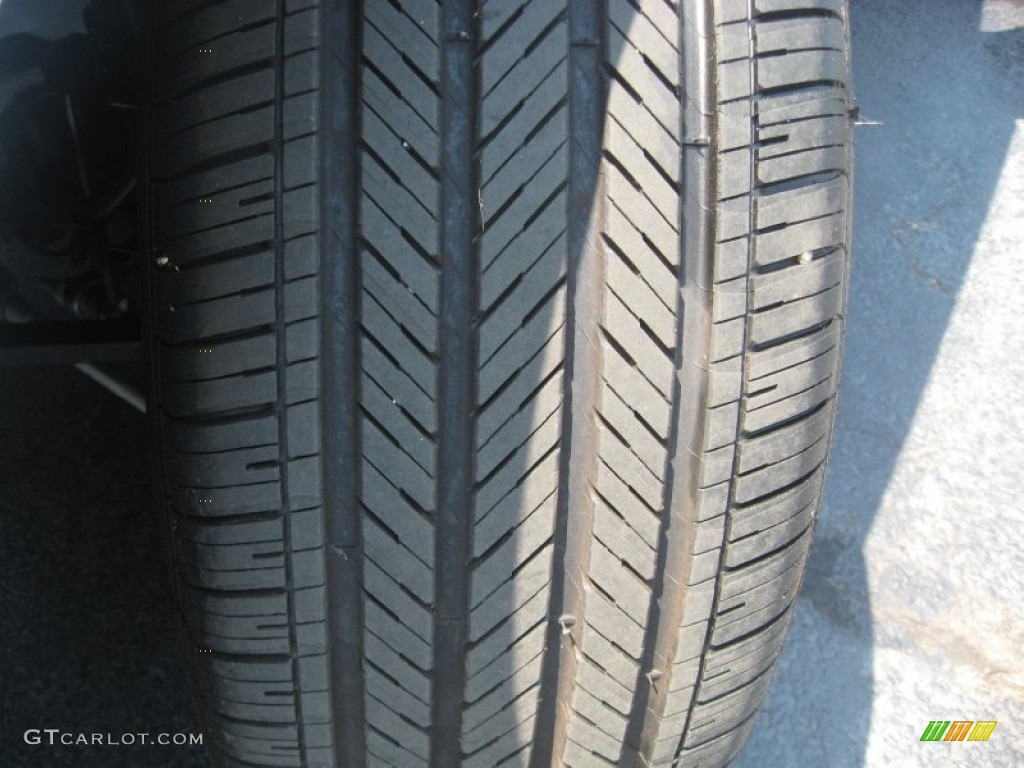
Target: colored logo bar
column 958, row 730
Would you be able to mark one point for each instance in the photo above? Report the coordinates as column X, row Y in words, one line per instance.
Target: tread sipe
column 494, row 355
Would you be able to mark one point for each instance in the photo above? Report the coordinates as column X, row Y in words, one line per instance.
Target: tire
column 494, row 356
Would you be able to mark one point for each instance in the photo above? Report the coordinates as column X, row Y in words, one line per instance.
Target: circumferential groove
column 459, row 225
column 340, row 365
column 702, row 173
column 587, row 99
column 688, row 417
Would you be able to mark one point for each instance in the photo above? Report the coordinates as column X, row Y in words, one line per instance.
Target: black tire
column 494, row 359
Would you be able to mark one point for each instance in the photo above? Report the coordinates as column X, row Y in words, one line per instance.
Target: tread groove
column 339, row 366
column 459, row 221
column 577, row 461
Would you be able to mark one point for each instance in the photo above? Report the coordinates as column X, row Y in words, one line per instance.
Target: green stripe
column 935, row 730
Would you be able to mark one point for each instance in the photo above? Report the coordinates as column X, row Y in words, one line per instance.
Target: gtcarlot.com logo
column 55, row 736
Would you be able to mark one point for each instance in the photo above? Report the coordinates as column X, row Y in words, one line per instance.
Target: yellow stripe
column 987, row 727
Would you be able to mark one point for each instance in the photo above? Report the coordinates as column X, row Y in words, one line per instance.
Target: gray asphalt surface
column 911, row 608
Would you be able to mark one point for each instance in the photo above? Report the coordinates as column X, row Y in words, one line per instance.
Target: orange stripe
column 958, row 730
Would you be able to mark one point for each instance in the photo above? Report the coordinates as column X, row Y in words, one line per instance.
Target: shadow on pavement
column 89, row 632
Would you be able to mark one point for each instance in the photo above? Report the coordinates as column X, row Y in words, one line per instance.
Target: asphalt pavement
column 911, row 608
